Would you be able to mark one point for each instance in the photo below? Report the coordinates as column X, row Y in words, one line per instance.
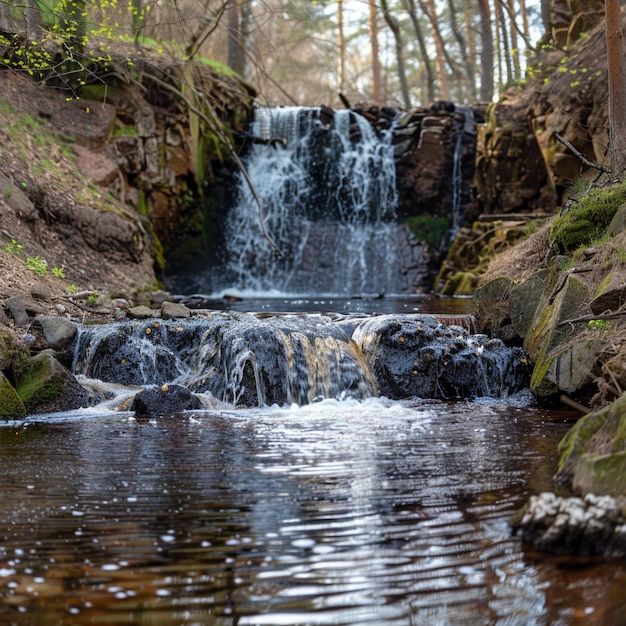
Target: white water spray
column 328, row 191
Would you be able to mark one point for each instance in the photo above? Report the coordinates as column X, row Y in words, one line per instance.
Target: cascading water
column 328, row 195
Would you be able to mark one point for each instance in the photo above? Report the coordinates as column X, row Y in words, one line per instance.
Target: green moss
column 11, row 407
column 428, row 228
column 603, row 474
column 39, row 385
column 588, row 218
column 576, row 439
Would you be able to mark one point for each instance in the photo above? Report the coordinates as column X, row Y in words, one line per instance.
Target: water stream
column 342, row 513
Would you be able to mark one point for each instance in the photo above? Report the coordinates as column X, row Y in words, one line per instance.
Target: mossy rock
column 11, row 406
column 460, row 284
column 492, row 302
column 601, row 474
column 524, row 300
column 7, row 349
column 44, row 385
column 588, row 218
column 544, row 339
column 596, row 437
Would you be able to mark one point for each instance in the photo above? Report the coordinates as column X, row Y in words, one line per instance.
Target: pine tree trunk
column 341, row 49
column 486, row 55
column 397, row 33
column 376, row 69
column 617, row 87
column 430, row 74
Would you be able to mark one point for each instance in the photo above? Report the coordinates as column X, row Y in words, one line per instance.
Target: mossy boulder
column 592, row 455
column 11, row 406
column 44, row 386
column 547, row 334
column 524, row 300
column 588, row 218
column 492, row 303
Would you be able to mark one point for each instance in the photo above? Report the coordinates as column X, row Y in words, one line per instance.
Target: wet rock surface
column 418, row 356
column 593, row 525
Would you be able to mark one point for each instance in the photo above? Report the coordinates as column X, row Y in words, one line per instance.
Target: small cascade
column 244, row 360
column 326, row 184
column 234, row 357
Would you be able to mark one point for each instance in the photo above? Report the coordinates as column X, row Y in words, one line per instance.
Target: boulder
column 416, row 356
column 45, row 386
column 11, row 406
column 166, row 400
column 173, row 310
column 593, row 452
column 57, row 333
column 561, row 300
column 610, row 296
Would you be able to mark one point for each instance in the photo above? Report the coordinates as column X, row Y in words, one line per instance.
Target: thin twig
column 581, row 156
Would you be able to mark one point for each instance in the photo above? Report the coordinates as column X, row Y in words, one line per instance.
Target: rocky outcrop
column 567, row 310
column 521, row 165
column 416, row 356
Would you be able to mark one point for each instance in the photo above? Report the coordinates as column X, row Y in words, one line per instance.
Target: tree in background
column 305, row 51
column 617, row 87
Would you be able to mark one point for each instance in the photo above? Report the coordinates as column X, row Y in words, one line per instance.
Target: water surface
column 334, row 513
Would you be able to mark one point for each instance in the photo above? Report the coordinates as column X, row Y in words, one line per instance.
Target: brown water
column 336, row 513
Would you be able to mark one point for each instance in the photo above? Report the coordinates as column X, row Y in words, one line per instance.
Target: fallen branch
column 589, row 318
column 581, row 156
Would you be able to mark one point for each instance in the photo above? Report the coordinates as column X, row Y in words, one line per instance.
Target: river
column 343, row 513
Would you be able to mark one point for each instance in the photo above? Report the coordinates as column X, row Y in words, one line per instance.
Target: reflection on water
column 326, row 304
column 335, row 513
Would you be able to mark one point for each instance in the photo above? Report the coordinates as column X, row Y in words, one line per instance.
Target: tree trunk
column 341, row 50
column 505, row 48
column 514, row 45
column 429, row 9
column 376, row 69
column 430, row 74
column 236, row 58
column 617, row 87
column 463, row 49
column 486, row 55
column 397, row 33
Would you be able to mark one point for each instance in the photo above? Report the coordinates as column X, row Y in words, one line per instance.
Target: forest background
column 399, row 53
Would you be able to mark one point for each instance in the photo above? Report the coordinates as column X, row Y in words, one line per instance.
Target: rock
column 557, row 304
column 40, row 292
column 142, row 312
column 618, row 223
column 492, row 303
column 601, row 473
column 96, row 166
column 11, row 406
column 593, row 452
column 45, row 386
column 158, row 297
column 610, row 296
column 172, row 310
column 524, row 300
column 416, row 356
column 57, row 333
column 7, row 349
column 17, row 311
column 166, row 400
column 593, row 525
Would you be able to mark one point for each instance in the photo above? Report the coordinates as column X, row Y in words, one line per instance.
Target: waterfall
column 327, row 187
